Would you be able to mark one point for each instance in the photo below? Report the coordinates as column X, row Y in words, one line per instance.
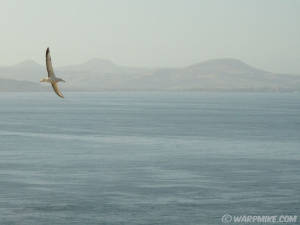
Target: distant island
column 225, row 74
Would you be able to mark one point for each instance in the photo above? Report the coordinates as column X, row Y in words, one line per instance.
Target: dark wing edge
column 49, row 63
column 56, row 90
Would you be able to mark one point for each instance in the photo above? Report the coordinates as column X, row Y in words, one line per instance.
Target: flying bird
column 51, row 76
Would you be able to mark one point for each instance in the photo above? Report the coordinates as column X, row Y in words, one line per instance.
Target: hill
column 225, row 74
column 20, row 86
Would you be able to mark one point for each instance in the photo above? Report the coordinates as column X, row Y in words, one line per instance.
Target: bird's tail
column 60, row 80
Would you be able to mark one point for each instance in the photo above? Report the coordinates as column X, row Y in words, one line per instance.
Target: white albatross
column 51, row 76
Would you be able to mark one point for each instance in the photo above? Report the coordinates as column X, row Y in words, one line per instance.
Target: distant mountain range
column 96, row 75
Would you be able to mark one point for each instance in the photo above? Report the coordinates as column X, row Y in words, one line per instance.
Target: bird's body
column 51, row 75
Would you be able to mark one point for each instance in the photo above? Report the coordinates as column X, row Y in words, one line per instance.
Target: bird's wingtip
column 47, row 51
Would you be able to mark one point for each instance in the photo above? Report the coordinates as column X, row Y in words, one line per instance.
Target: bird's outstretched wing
column 57, row 91
column 49, row 64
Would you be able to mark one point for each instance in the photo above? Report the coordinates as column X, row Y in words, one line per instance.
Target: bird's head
column 44, row 80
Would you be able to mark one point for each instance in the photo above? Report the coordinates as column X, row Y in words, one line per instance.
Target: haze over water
column 147, row 158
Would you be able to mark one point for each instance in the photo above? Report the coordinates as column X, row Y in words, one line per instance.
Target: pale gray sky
column 263, row 33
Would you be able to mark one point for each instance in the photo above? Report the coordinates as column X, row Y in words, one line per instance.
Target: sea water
column 147, row 157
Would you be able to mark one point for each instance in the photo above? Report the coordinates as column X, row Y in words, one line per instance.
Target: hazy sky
column 263, row 33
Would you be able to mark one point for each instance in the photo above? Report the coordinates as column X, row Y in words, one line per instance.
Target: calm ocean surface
column 147, row 158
